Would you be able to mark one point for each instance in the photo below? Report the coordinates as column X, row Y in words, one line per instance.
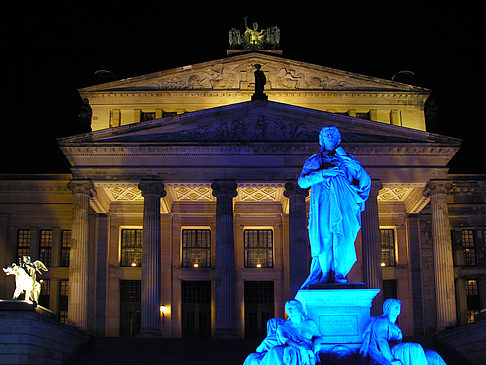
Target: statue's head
column 329, row 138
column 391, row 309
column 294, row 309
column 255, row 26
column 26, row 259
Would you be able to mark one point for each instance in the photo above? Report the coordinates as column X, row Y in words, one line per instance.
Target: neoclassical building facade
column 181, row 216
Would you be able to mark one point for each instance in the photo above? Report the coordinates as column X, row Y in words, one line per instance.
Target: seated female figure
column 296, row 341
column 382, row 341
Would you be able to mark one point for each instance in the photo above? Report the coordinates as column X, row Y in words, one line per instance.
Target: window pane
column 23, row 243
column 45, row 246
column 131, row 247
column 387, row 247
column 196, row 248
column 65, row 247
column 469, row 247
column 63, row 301
column 258, row 247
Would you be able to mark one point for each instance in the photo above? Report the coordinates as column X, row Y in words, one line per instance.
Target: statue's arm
column 312, row 173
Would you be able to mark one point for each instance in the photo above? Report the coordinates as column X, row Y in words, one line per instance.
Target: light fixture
column 383, row 264
column 196, row 266
column 259, row 265
column 163, row 310
column 134, row 264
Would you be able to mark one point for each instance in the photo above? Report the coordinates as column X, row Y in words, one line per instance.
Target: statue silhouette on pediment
column 260, row 81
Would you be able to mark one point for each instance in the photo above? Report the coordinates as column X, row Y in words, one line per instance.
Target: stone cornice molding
column 266, row 148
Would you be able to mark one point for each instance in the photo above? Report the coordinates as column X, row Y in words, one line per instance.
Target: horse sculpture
column 25, row 282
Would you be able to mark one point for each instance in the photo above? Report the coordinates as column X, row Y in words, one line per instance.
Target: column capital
column 85, row 187
column 437, row 187
column 224, row 187
column 375, row 188
column 292, row 188
column 152, row 187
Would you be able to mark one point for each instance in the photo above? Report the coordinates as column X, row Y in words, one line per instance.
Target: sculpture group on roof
column 26, row 277
column 253, row 38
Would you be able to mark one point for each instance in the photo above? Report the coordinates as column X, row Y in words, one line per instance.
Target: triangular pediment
column 254, row 121
column 236, row 73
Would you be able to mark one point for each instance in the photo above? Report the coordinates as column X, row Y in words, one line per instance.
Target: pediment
column 236, row 73
column 257, row 122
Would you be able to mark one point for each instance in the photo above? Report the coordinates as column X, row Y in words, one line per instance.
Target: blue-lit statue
column 296, row 341
column 382, row 341
column 339, row 189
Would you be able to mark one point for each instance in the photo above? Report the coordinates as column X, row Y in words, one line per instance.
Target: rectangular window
column 65, row 247
column 196, row 248
column 63, row 300
column 45, row 246
column 467, row 237
column 387, row 247
column 131, row 247
column 473, row 300
column 23, row 243
column 258, row 245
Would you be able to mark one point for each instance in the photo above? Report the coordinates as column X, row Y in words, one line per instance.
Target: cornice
column 270, row 148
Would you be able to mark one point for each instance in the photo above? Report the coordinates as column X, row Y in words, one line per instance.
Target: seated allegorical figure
column 382, row 341
column 296, row 341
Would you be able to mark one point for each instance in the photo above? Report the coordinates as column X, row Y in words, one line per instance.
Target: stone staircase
column 130, row 351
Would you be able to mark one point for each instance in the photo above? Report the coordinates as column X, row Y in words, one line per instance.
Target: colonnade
column 225, row 191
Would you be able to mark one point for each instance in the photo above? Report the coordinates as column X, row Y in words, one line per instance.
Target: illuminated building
column 185, row 164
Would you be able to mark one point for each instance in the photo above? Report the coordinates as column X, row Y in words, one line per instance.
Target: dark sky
column 51, row 51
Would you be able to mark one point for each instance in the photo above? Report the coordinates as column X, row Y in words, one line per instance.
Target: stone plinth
column 30, row 335
column 341, row 314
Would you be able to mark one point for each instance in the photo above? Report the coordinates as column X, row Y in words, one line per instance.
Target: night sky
column 51, row 52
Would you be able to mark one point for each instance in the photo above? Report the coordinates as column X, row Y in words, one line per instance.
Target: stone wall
column 30, row 335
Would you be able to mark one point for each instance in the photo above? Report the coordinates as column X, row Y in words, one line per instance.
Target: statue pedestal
column 342, row 312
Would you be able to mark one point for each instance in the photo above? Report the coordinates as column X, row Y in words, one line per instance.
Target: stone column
column 436, row 190
column 225, row 191
column 371, row 247
column 152, row 191
column 102, row 237
column 298, row 236
column 78, row 257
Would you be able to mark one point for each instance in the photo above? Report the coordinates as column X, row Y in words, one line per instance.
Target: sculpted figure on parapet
column 253, row 38
column 339, row 188
column 26, row 277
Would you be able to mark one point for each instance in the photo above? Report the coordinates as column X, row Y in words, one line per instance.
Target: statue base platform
column 342, row 312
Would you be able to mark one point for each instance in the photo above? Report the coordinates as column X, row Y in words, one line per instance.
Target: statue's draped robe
column 274, row 349
column 336, row 203
column 409, row 353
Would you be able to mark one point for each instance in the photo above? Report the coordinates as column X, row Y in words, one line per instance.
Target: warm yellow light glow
column 134, row 264
column 41, row 281
column 259, row 265
column 196, row 266
column 383, row 264
column 163, row 309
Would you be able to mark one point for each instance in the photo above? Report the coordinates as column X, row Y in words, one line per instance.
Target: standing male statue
column 339, row 189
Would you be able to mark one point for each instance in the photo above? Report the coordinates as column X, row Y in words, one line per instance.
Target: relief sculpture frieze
column 224, row 76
